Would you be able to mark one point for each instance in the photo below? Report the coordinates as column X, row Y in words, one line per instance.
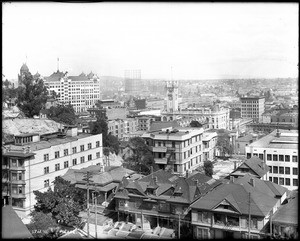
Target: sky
column 163, row 40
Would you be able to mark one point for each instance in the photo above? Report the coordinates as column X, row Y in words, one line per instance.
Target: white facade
column 253, row 107
column 81, row 91
column 180, row 148
column 122, row 128
column 280, row 152
column 209, row 145
column 52, row 158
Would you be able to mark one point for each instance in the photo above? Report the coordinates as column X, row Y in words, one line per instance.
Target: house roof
column 262, row 197
column 246, row 138
column 12, row 225
column 288, row 213
column 56, row 76
column 255, row 164
column 158, row 125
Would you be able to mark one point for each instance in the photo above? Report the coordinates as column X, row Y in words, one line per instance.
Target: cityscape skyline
column 198, row 41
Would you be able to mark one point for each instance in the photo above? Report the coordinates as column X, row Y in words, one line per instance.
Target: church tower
column 172, row 96
column 24, row 69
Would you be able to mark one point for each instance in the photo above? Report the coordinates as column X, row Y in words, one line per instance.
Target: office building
column 253, row 107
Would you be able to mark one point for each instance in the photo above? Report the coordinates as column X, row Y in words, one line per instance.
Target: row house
column 161, row 198
column 179, row 149
column 279, row 150
column 226, row 210
column 33, row 162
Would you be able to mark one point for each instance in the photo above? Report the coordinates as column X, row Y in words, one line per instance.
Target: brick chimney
column 252, row 183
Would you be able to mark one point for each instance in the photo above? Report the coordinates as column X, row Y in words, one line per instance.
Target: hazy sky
column 198, row 40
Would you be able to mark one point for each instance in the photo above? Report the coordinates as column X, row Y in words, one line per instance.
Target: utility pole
column 271, row 229
column 96, row 226
column 249, row 222
column 86, row 178
column 179, row 226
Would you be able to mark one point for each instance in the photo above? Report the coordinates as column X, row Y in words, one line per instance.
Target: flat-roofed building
column 33, row 162
column 279, row 150
column 253, row 107
column 180, row 149
column 209, row 145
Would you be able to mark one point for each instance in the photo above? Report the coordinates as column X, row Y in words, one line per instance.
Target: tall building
column 172, row 96
column 253, row 107
column 33, row 162
column 81, row 91
column 279, row 150
column 133, row 81
column 179, row 149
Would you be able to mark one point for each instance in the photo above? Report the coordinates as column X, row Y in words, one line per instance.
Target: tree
column 64, row 203
column 208, row 168
column 141, row 158
column 63, row 113
column 32, row 95
column 100, row 126
column 106, row 152
column 113, row 143
column 195, row 124
column 223, row 143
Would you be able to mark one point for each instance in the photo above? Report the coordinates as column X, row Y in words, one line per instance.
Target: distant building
column 180, row 149
column 33, row 162
column 23, row 71
column 279, row 150
column 253, row 107
column 82, row 91
column 242, row 142
column 209, row 145
column 122, row 127
column 133, row 81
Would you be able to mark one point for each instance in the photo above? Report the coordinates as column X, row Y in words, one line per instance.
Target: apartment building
column 180, row 149
column 33, row 162
column 279, row 150
column 121, row 128
column 253, row 107
column 224, row 212
column 81, row 91
column 209, row 145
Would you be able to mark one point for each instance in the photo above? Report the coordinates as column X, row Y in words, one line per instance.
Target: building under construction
column 133, row 81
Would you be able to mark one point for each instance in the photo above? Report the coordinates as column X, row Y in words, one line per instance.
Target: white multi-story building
column 279, row 150
column 33, row 162
column 180, row 148
column 81, row 91
column 121, row 128
column 253, row 107
column 209, row 145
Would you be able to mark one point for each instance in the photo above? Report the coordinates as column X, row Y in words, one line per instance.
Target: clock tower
column 172, row 96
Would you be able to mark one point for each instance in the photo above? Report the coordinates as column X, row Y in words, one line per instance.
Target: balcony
column 161, row 160
column 171, row 149
column 158, row 148
column 5, row 193
column 18, row 195
column 17, row 168
column 5, row 179
column 19, row 182
column 5, row 167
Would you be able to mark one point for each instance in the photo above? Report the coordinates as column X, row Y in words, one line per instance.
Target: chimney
column 265, row 158
column 232, row 179
column 155, row 180
column 186, row 173
column 101, row 168
column 234, row 165
column 278, row 133
column 196, row 182
column 252, row 182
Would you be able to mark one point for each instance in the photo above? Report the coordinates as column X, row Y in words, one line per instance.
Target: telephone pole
column 179, row 226
column 86, row 178
column 249, row 222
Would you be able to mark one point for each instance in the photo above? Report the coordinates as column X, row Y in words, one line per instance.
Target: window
column 46, row 157
column 295, row 171
column 270, row 179
column 97, row 143
column 90, row 146
column 204, row 217
column 287, row 170
column 275, row 180
column 270, row 169
column 269, row 157
column 281, row 170
column 66, row 152
column 66, row 164
column 89, row 157
column 57, row 167
column 281, row 158
column 275, row 157
column 287, row 158
column 56, row 154
column 261, row 156
column 287, row 182
column 97, row 154
column 46, row 183
column 281, row 181
column 74, row 150
column 202, row 233
column 248, row 155
column 295, row 159
column 82, row 159
column 82, row 148
column 295, row 182
column 46, row 170
column 275, row 169
column 74, row 162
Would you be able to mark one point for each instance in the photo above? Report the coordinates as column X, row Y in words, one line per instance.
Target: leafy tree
column 100, row 126
column 113, row 143
column 106, row 152
column 208, row 168
column 63, row 113
column 32, row 95
column 141, row 158
column 195, row 124
column 64, row 203
column 224, row 145
column 52, row 233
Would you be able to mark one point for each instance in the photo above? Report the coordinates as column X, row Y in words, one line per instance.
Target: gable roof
column 12, row 225
column 256, row 165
